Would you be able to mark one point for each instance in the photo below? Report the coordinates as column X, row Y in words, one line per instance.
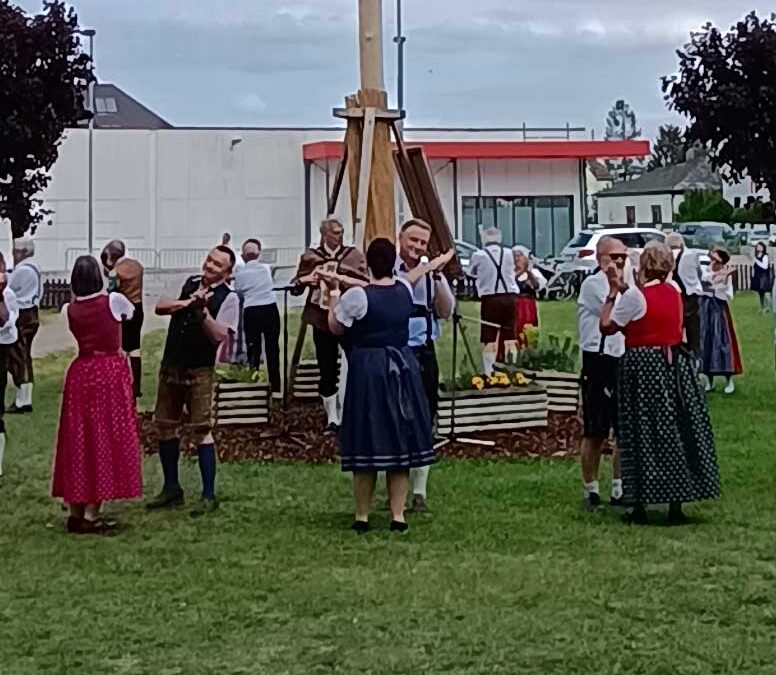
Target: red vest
column 663, row 323
column 94, row 327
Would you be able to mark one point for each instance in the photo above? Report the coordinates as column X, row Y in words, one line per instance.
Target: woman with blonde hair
column 665, row 435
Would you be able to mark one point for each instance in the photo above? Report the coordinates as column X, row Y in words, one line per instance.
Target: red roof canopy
column 502, row 149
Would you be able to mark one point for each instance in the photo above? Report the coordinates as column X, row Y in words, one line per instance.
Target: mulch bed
column 255, row 443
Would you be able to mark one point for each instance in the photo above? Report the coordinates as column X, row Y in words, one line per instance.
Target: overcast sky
column 468, row 63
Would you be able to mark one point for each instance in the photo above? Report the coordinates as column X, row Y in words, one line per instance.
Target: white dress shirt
column 253, row 283
column 424, row 294
column 484, row 267
column 592, row 296
column 26, row 282
column 8, row 332
column 689, row 272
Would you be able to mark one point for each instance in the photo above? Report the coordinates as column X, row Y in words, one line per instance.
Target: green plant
column 560, row 354
column 230, row 372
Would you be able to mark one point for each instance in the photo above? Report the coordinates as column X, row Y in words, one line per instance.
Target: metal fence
column 188, row 258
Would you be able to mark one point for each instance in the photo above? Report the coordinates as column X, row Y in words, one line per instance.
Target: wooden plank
column 504, row 426
column 492, row 405
column 242, row 421
column 364, row 178
column 358, row 113
column 333, row 198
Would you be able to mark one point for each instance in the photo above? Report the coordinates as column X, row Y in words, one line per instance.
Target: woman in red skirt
column 530, row 282
column 97, row 456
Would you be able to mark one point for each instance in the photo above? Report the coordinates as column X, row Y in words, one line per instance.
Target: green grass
column 507, row 576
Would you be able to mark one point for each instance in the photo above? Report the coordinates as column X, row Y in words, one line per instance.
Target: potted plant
column 241, row 397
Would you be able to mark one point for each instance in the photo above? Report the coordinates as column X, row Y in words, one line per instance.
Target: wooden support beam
column 364, row 178
column 358, row 113
column 334, row 196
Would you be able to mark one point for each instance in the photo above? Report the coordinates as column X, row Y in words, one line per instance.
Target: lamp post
column 90, row 33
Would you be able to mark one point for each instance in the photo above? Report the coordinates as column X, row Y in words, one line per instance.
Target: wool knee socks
column 169, row 453
column 206, row 454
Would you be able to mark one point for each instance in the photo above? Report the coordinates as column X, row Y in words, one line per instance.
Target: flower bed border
column 241, row 403
column 494, row 409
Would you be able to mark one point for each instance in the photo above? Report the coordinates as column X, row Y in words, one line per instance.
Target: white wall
column 182, row 188
column 612, row 210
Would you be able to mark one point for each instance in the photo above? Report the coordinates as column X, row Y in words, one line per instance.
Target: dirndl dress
column 761, row 281
column 386, row 423
column 719, row 345
column 97, row 456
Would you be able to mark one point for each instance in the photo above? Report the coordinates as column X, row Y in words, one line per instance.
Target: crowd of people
column 650, row 326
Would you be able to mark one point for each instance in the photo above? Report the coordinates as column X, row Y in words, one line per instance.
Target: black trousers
column 264, row 321
column 692, row 322
column 429, row 373
column 326, row 353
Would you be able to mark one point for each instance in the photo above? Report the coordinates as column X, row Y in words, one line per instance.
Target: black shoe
column 419, row 505
column 615, row 502
column 592, row 501
column 676, row 516
column 166, row 500
column 360, row 526
column 206, row 505
column 20, row 410
column 396, row 526
column 332, row 428
column 637, row 516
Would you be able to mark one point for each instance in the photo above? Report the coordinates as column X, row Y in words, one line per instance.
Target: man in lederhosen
column 26, row 282
column 600, row 360
column 332, row 255
column 125, row 276
column 493, row 267
column 687, row 275
column 433, row 299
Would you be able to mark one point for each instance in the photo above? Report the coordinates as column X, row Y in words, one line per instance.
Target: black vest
column 187, row 346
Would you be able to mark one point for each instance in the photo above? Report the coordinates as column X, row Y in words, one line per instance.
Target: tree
column 704, row 206
column 726, row 87
column 669, row 147
column 621, row 125
column 43, row 80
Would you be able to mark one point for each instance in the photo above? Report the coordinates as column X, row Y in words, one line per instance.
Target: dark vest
column 187, row 346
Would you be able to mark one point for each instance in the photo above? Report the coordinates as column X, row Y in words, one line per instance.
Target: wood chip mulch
column 559, row 439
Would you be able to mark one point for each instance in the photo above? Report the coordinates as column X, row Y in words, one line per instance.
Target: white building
column 171, row 192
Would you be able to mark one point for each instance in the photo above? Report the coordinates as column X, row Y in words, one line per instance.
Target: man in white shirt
column 493, row 267
column 261, row 318
column 26, row 282
column 687, row 276
column 433, row 299
column 600, row 360
column 9, row 314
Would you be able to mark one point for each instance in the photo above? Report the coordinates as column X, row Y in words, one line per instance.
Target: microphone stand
column 452, row 436
column 283, row 431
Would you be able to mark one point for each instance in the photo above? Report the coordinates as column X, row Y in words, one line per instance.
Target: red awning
column 502, row 149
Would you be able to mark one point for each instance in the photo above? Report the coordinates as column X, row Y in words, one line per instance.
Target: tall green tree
column 43, row 80
column 726, row 87
column 621, row 124
column 669, row 147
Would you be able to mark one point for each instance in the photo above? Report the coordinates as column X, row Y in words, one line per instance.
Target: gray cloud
column 493, row 62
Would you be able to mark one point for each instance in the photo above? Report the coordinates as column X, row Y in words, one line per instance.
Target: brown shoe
column 99, row 526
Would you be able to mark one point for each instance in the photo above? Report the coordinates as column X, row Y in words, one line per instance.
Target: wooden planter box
column 306, row 380
column 494, row 409
column 241, row 403
column 562, row 389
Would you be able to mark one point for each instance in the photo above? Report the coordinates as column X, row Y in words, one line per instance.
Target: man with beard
column 332, row 256
column 433, row 299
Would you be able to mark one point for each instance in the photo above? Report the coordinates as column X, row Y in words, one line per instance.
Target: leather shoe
column 166, row 500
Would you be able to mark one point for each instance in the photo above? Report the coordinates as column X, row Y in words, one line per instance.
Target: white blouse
column 762, row 264
column 633, row 305
column 354, row 304
column 121, row 308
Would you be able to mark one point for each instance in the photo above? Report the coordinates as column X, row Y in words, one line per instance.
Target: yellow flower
column 478, row 383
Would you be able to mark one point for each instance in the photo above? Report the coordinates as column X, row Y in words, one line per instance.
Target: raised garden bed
column 562, row 389
column 306, row 380
column 494, row 409
column 241, row 403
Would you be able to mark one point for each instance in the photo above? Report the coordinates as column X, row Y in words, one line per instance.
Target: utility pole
column 90, row 33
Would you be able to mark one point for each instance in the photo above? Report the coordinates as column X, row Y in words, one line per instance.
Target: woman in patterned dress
column 665, row 436
column 97, row 456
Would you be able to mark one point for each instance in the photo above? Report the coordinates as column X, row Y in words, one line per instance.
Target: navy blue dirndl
column 386, row 420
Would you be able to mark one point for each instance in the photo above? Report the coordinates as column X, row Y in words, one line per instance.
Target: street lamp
column 90, row 33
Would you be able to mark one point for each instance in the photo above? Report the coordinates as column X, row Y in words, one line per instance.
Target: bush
column 704, row 206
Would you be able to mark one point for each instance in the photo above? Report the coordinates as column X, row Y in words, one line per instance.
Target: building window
column 543, row 224
column 106, row 105
column 630, row 215
column 657, row 214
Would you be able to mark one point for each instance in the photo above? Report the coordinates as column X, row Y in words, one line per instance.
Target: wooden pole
column 370, row 39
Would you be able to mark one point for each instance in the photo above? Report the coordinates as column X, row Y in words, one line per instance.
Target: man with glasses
column 600, row 360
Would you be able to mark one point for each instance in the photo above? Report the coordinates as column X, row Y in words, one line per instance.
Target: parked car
column 704, row 235
column 580, row 251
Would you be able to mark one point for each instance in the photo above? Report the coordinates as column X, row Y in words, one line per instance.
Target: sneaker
column 592, row 501
column 730, row 387
column 205, row 506
column 166, row 500
column 419, row 504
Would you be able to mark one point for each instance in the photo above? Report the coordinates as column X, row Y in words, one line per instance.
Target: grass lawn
column 509, row 575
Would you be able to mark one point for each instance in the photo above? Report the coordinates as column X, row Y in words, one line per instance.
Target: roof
column 599, row 170
column 695, row 174
column 560, row 149
column 115, row 109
